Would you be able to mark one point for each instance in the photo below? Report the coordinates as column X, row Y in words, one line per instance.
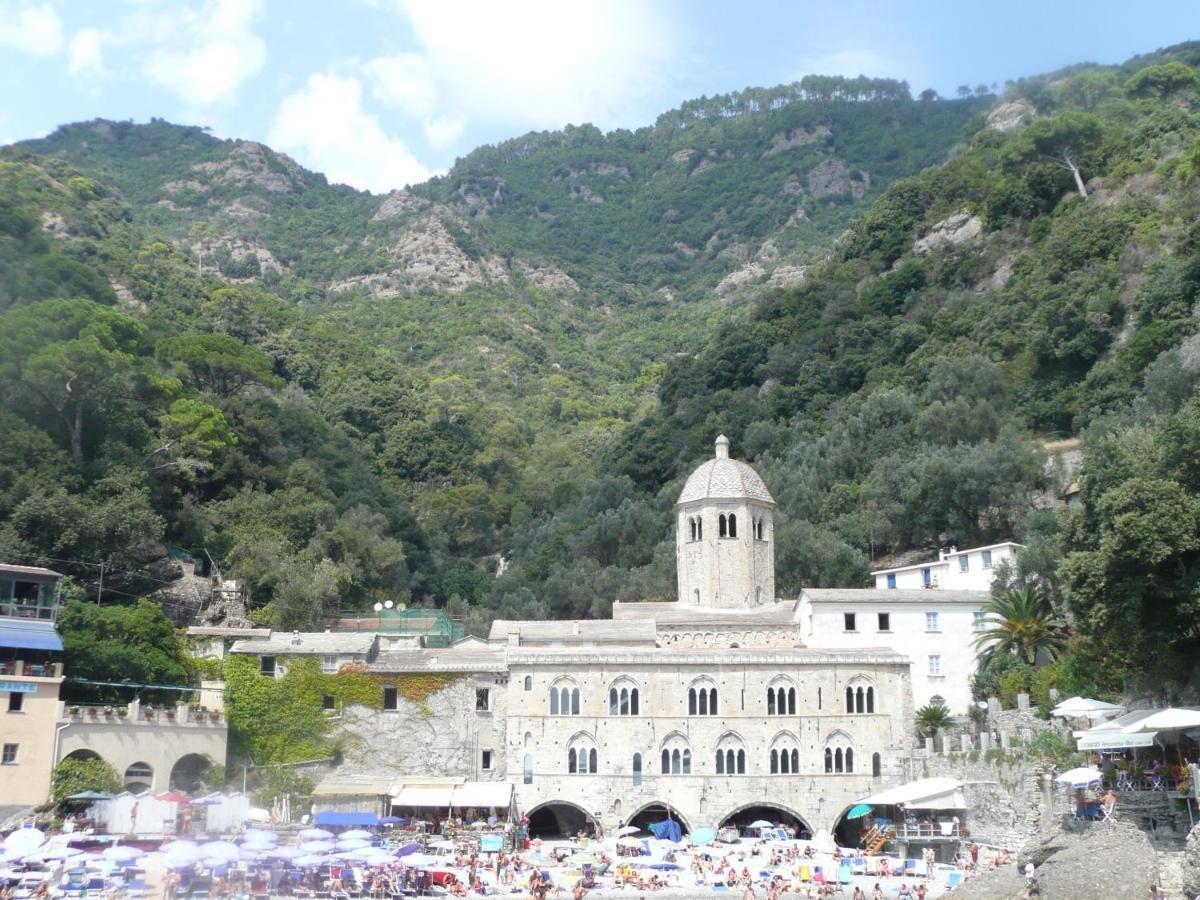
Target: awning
column 950, row 800
column 1170, row 719
column 424, row 795
column 483, row 794
column 345, row 818
column 354, row 786
column 923, row 791
column 1115, row 740
column 469, row 793
column 32, row 635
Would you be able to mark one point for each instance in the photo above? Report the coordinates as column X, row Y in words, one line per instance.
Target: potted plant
column 109, row 712
column 171, row 713
column 73, row 711
column 150, row 712
column 91, row 712
column 122, row 712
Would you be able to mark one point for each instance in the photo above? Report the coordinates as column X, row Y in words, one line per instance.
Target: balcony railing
column 22, row 668
column 19, row 609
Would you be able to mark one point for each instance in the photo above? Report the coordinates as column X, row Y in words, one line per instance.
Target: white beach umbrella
column 122, row 853
column 316, row 846
column 1085, row 708
column 627, row 829
column 27, row 839
column 357, row 834
column 315, row 834
column 1080, row 777
column 352, row 844
column 220, row 850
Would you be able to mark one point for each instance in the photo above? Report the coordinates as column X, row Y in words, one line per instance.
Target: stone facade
column 714, row 706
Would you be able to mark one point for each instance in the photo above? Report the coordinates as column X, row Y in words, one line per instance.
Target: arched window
column 785, row 754
column 612, row 701
column 676, row 755
column 699, row 529
column 876, row 765
column 937, row 700
column 839, row 753
column 529, row 682
column 722, row 526
column 527, row 769
column 731, row 755
column 702, row 698
column 781, row 697
column 564, row 698
column 637, row 769
column 860, row 696
column 692, row 528
column 732, row 525
column 582, row 758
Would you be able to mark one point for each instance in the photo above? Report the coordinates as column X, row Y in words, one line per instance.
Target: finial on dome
column 722, row 447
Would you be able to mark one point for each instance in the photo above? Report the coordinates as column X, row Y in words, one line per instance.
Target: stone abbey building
column 725, row 706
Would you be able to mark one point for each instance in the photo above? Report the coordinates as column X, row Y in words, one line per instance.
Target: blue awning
column 32, row 635
column 345, row 818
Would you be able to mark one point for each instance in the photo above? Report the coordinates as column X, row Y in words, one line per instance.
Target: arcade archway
column 656, row 812
column 848, row 832
column 744, row 816
column 190, row 773
column 559, row 818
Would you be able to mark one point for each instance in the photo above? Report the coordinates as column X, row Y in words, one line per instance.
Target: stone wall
column 442, row 736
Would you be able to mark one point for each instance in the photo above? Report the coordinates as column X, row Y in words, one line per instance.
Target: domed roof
column 723, row 478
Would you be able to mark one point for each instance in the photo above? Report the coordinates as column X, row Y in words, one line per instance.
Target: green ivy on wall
column 281, row 720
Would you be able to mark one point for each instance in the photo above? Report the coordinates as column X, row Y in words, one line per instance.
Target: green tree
column 217, row 363
column 74, row 776
column 1068, row 140
column 1159, row 82
column 135, row 643
column 1022, row 623
column 67, row 356
column 191, row 435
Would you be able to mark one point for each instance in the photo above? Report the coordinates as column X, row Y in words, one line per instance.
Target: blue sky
column 380, row 93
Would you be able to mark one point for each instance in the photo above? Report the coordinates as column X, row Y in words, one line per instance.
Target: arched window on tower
column 732, row 525
column 692, row 527
column 699, row 528
column 722, row 526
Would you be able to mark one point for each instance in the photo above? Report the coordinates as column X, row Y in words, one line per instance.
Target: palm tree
column 1024, row 623
column 932, row 719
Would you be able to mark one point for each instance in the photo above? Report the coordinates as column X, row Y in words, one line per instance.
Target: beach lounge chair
column 955, row 879
column 818, row 875
column 1107, row 810
column 858, row 865
column 910, row 868
column 805, row 874
column 844, row 872
column 135, row 888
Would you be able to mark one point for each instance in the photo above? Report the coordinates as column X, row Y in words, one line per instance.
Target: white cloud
column 542, row 63
column 325, row 126
column 83, row 53
column 404, row 81
column 219, row 51
column 32, row 27
column 443, row 131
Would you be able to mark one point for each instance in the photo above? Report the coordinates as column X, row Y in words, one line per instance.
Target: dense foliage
column 75, row 776
column 331, row 447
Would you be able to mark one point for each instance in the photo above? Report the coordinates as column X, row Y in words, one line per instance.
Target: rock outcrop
column 1010, row 116
column 1104, row 861
column 782, row 141
column 250, row 163
column 834, row 178
column 951, row 231
column 1191, row 864
column 398, row 203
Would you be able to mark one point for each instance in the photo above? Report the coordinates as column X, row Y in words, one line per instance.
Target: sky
column 382, row 93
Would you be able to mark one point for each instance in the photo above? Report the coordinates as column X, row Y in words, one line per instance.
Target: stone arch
column 847, row 832
column 656, row 811
column 83, row 755
column 139, row 777
column 556, row 818
column 745, row 813
column 190, row 772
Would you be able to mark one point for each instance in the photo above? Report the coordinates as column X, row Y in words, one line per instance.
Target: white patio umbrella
column 1080, row 777
column 352, row 844
column 629, row 842
column 627, row 829
column 313, row 834
column 761, row 823
column 357, row 834
column 316, row 846
column 220, row 850
column 1085, row 708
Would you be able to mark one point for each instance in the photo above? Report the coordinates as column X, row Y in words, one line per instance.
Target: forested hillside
column 891, row 306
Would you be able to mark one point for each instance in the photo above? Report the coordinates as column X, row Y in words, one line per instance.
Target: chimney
column 722, row 447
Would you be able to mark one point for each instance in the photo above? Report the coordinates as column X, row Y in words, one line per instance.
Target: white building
column 936, row 630
column 722, row 707
column 953, row 570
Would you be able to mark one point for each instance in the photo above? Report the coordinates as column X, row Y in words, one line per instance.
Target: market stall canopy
column 925, row 793
column 345, row 818
column 1170, row 719
column 1084, row 708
